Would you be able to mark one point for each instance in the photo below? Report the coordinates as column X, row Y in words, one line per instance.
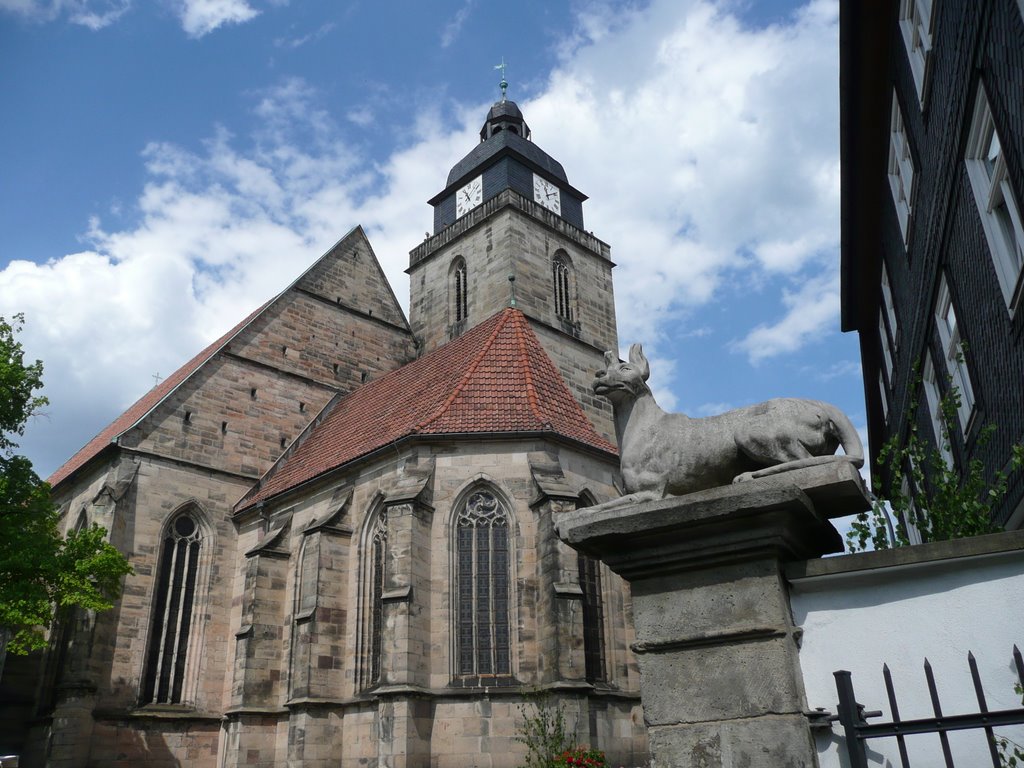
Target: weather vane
column 504, row 83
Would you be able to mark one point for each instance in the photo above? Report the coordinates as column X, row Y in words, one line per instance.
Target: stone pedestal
column 717, row 649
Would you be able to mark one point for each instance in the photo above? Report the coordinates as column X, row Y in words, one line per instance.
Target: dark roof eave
column 493, row 160
column 420, row 437
column 865, row 37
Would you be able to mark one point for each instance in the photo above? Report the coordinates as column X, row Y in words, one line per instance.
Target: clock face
column 469, row 196
column 547, row 194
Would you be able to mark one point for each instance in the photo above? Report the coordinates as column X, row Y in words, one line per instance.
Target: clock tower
column 508, row 227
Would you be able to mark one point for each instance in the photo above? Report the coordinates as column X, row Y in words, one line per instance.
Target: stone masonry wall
column 512, row 242
column 441, row 724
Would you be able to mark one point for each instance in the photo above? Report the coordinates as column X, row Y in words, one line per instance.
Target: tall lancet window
column 561, row 277
column 593, row 618
column 378, row 559
column 460, row 300
column 174, row 596
column 482, row 587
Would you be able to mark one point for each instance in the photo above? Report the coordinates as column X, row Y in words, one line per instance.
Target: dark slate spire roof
column 494, row 379
column 496, row 137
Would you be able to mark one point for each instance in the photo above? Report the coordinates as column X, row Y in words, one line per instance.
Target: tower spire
column 504, row 83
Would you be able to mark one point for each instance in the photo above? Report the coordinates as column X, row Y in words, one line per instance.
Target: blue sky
column 169, row 165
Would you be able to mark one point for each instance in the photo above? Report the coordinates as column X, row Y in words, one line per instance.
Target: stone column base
column 720, row 678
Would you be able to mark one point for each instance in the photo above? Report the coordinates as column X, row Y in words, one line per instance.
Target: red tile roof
column 144, row 405
column 496, row 378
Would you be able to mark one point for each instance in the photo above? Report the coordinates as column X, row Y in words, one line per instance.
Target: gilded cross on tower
column 504, row 83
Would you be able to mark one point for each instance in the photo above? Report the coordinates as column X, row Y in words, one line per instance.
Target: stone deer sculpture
column 664, row 454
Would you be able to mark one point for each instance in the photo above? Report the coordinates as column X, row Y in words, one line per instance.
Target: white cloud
column 811, row 311
column 703, row 144
column 297, row 42
column 452, row 29
column 201, row 17
column 93, row 14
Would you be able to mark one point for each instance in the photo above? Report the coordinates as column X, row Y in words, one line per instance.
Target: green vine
column 942, row 503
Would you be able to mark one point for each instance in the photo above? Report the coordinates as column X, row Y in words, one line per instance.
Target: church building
column 341, row 520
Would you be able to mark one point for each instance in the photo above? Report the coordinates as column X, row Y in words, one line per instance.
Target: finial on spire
column 504, row 83
column 512, row 289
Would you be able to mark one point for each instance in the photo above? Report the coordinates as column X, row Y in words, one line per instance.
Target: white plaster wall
column 901, row 615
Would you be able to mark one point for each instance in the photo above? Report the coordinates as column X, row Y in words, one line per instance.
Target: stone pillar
column 716, row 645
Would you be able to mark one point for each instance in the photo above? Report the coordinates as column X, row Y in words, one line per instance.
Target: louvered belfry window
column 177, row 571
column 560, row 278
column 482, row 555
column 379, row 549
column 593, row 618
column 459, row 291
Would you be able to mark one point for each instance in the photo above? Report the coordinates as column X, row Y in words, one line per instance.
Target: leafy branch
column 928, row 492
column 42, row 574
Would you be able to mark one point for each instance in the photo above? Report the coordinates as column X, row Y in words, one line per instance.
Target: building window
column 593, row 618
column 890, row 308
column 460, row 300
column 174, row 597
column 883, row 336
column 378, row 560
column 561, row 278
column 916, row 26
column 901, row 169
column 482, row 587
column 912, row 518
column 933, row 396
column 884, row 395
column 953, row 350
column 997, row 204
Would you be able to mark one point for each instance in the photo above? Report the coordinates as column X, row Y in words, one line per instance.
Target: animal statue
column 665, row 454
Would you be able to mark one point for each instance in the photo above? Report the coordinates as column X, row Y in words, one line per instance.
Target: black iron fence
column 853, row 717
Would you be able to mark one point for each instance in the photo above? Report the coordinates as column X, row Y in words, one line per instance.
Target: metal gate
column 853, row 717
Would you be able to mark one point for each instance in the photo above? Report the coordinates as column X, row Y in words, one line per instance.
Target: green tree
column 42, row 574
column 939, row 501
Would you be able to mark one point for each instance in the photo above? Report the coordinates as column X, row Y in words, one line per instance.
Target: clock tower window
column 561, row 275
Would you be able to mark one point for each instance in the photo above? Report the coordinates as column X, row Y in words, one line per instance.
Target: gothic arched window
column 460, row 300
column 375, row 629
column 593, row 618
column 482, row 587
column 561, row 278
column 173, row 600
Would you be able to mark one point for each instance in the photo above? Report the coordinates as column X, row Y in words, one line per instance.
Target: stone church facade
column 341, row 521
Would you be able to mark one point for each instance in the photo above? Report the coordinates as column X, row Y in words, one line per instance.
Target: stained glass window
column 482, row 587
column 593, row 618
column 174, row 597
column 379, row 550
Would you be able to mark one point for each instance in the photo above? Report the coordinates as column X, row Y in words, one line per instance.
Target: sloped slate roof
column 486, row 150
column 144, row 405
column 496, row 378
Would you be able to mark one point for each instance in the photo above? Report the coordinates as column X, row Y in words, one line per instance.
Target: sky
column 167, row 166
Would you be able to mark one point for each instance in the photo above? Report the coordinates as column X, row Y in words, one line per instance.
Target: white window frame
column 884, row 394
column 890, row 308
column 933, row 396
column 997, row 203
column 952, row 348
column 887, row 355
column 916, row 26
column 901, row 169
